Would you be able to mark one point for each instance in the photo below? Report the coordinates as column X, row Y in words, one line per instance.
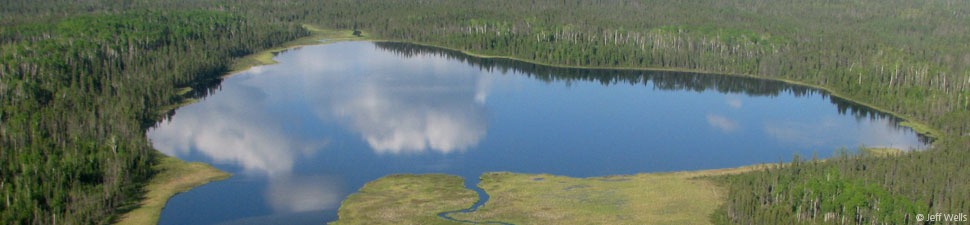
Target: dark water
column 303, row 134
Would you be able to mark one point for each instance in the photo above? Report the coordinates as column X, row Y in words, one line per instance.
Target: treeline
column 853, row 189
column 77, row 95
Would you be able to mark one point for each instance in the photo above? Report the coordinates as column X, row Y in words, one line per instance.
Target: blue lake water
column 301, row 135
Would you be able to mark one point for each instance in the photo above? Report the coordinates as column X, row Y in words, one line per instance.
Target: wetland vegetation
column 517, row 198
column 407, row 199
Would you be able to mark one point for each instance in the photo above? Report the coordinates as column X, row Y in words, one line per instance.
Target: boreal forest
column 81, row 82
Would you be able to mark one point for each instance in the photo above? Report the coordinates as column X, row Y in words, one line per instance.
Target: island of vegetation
column 407, row 199
column 81, row 82
column 653, row 198
column 648, row 198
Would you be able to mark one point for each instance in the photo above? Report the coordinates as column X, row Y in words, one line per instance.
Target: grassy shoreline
column 680, row 197
column 520, row 198
column 174, row 176
column 406, row 199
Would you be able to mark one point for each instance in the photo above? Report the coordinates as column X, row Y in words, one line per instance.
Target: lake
column 301, row 135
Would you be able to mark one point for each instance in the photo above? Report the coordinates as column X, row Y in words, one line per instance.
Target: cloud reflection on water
column 230, row 129
column 303, row 193
column 408, row 105
column 722, row 123
column 241, row 126
column 734, row 101
column 442, row 110
column 878, row 132
column 413, row 119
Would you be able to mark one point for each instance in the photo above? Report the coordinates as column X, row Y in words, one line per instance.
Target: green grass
column 650, row 198
column 922, row 128
column 174, row 176
column 183, row 91
column 881, row 152
column 183, row 102
column 406, row 199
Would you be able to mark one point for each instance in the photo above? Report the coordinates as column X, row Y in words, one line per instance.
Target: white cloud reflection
column 802, row 133
column 734, row 102
column 230, row 129
column 830, row 130
column 413, row 119
column 240, row 126
column 722, row 123
column 303, row 193
column 397, row 105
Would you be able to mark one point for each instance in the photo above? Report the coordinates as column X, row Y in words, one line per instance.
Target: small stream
column 482, row 198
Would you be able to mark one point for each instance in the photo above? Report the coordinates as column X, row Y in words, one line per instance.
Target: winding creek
column 301, row 135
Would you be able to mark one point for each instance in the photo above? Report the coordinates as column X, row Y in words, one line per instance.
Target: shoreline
column 174, row 176
column 147, row 213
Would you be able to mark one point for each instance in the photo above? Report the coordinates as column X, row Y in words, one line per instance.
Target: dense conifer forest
column 80, row 81
column 78, row 94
